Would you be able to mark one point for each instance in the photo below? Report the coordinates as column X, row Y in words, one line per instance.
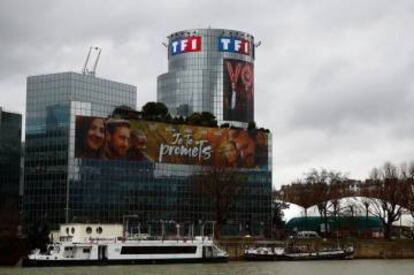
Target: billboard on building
column 146, row 141
column 238, row 90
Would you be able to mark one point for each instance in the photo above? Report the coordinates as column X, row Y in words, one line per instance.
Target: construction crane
column 96, row 51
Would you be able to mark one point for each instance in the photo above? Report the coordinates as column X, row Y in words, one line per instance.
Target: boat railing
column 166, row 238
column 90, row 240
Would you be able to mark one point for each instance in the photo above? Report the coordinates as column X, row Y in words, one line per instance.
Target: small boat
column 120, row 250
column 295, row 252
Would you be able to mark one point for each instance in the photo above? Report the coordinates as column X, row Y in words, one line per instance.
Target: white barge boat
column 120, row 250
column 298, row 253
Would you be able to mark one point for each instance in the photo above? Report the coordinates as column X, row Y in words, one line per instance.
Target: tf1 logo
column 234, row 45
column 185, row 45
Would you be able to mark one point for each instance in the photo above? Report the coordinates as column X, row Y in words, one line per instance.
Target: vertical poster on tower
column 238, row 90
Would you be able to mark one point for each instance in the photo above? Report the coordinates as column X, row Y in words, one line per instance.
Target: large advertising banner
column 238, row 89
column 145, row 141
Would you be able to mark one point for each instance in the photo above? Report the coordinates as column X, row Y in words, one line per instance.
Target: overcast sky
column 334, row 80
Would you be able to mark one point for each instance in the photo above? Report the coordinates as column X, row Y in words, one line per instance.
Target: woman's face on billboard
column 230, row 151
column 95, row 136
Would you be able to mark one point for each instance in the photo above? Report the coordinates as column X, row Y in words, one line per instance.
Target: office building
column 53, row 102
column 160, row 176
column 210, row 70
column 10, row 153
column 87, row 161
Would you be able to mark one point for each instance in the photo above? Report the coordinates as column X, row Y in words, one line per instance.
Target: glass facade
column 10, row 153
column 195, row 81
column 52, row 103
column 61, row 187
column 206, row 69
column 155, row 189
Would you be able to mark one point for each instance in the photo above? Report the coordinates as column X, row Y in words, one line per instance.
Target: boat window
column 99, row 230
column 73, row 230
column 158, row 249
column 67, row 230
column 86, row 250
column 88, row 230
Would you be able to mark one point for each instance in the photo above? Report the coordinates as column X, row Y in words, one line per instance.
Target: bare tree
column 278, row 206
column 327, row 185
column 387, row 195
column 366, row 204
column 360, row 205
column 220, row 188
column 408, row 177
column 298, row 193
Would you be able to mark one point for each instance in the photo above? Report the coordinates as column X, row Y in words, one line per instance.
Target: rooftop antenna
column 97, row 52
column 258, row 44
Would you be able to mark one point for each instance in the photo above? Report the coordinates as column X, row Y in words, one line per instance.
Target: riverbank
column 364, row 249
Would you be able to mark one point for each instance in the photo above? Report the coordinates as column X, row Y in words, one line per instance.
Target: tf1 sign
column 234, row 45
column 185, row 45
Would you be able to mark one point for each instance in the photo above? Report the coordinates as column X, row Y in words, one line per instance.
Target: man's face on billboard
column 230, row 152
column 119, row 141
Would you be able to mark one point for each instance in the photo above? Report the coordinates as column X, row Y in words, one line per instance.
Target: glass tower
column 10, row 153
column 210, row 70
column 53, row 101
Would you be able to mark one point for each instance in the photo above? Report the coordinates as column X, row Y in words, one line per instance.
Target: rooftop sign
column 185, row 45
column 234, row 45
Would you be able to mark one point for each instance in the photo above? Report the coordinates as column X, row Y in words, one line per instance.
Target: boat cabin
column 84, row 233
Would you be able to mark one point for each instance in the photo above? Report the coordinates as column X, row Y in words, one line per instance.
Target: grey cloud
column 365, row 97
column 333, row 78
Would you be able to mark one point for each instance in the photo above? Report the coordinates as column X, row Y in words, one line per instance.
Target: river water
column 351, row 267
